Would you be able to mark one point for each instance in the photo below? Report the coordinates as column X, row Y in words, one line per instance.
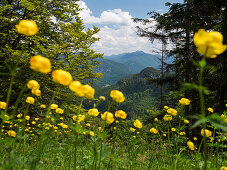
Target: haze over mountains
column 115, row 67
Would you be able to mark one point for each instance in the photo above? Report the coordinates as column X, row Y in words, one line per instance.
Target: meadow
column 53, row 135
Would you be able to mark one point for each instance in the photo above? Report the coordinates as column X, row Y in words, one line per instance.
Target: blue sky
column 117, row 30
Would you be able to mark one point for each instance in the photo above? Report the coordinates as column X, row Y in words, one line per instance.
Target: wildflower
column 43, row 106
column 32, row 84
column 108, row 117
column 36, row 92
column 167, row 117
column 209, row 44
column 61, row 118
column 210, row 110
column 53, row 106
column 121, row 114
column 92, row 133
column 114, row 128
column 27, row 27
column 182, row 133
column 164, row 135
column 7, row 117
column 117, row 96
column 132, row 129
column 89, row 92
column 137, row 123
column 59, row 110
column 100, row 129
column 186, row 121
column 84, row 133
column 171, row 111
column 62, row 77
column 223, row 168
column 76, row 87
column 74, row 117
column 138, row 132
column 40, row 64
column 36, row 119
column 93, row 112
column 195, row 138
column 134, row 136
column 2, row 105
column 88, row 124
column 12, row 133
column 47, row 116
column 27, row 117
column 156, row 119
column 166, row 107
column 30, row 100
column 117, row 121
column 206, row 133
column 33, row 122
column 173, row 129
column 102, row 98
column 80, row 118
column 153, row 130
column 184, row 101
column 191, row 145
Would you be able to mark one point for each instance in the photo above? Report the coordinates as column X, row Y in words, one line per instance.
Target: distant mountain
column 112, row 72
column 136, row 60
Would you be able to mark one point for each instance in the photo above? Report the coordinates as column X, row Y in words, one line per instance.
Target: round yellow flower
column 156, row 119
column 43, row 106
column 36, row 92
column 62, row 77
column 88, row 124
column 53, row 106
column 80, row 118
column 89, row 92
column 40, row 64
column 30, row 100
column 209, row 44
column 167, row 117
column 164, row 135
column 93, row 112
column 171, row 111
column 32, row 84
column 117, row 96
column 27, row 117
column 210, row 110
column 182, row 133
column 137, row 123
column 100, row 129
column 195, row 138
column 153, row 130
column 92, row 133
column 108, row 117
column 59, row 110
column 117, row 121
column 3, row 105
column 191, row 145
column 74, row 117
column 173, row 129
column 223, row 168
column 27, row 27
column 12, row 133
column 114, row 128
column 102, row 98
column 186, row 121
column 121, row 114
column 76, row 87
column 166, row 107
column 184, row 101
column 206, row 133
column 33, row 122
column 132, row 129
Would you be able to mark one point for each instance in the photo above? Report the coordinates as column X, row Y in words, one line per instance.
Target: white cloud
column 119, row 33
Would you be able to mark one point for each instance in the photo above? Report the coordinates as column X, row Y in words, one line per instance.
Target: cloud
column 118, row 35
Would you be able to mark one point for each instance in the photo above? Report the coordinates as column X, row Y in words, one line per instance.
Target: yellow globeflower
column 80, row 118
column 156, row 119
column 92, row 133
column 88, row 124
column 195, row 138
column 182, row 133
column 76, row 87
column 89, row 92
column 209, row 44
column 164, row 135
column 184, row 101
column 53, row 106
column 191, row 145
column 36, row 92
column 167, row 117
column 43, row 106
column 210, row 110
column 100, row 129
column 30, row 100
column 33, row 122
column 171, row 111
column 120, row 114
column 137, row 123
column 166, row 107
column 173, row 129
column 186, row 121
column 40, row 64
column 206, row 133
column 223, row 168
column 102, row 98
column 12, row 133
column 108, row 117
column 59, row 110
column 62, row 77
column 153, row 130
column 132, row 129
column 27, row 117
column 2, row 105
column 27, row 27
column 93, row 112
column 32, row 84
column 117, row 96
